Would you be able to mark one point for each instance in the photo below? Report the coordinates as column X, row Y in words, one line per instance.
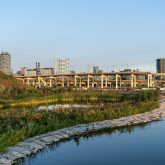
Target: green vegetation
column 18, row 125
column 13, row 94
column 8, row 81
column 22, row 97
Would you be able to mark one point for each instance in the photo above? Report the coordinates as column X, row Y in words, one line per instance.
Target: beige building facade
column 62, row 66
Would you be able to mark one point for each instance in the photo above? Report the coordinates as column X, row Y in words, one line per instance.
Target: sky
column 109, row 33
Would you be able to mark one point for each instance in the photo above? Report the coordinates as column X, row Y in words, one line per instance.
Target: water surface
column 142, row 145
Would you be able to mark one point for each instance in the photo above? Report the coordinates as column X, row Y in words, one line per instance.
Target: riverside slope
column 34, row 144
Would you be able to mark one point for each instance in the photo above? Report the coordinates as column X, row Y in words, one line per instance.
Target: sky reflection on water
column 142, row 145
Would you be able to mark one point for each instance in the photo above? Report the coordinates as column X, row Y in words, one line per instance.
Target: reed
column 80, row 97
column 19, row 125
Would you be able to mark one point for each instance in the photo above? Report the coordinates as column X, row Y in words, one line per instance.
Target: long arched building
column 112, row 80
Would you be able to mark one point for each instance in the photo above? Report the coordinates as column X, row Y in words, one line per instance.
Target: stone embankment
column 32, row 145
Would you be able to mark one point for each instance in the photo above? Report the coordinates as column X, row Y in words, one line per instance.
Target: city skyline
column 104, row 33
column 89, row 67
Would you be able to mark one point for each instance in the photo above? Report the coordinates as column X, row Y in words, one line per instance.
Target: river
column 141, row 145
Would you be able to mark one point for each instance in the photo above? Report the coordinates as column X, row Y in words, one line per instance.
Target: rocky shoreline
column 32, row 145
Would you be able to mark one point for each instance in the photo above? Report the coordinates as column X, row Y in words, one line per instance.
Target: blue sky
column 107, row 33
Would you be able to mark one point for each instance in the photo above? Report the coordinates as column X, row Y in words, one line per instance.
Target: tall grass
column 18, row 125
column 80, row 97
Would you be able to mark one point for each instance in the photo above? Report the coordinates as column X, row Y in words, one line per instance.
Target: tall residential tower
column 160, row 65
column 5, row 62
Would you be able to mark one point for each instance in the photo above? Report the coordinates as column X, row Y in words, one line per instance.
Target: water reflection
column 63, row 106
column 117, row 147
column 50, row 107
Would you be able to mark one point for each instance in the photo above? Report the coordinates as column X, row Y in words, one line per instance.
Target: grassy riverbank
column 18, row 125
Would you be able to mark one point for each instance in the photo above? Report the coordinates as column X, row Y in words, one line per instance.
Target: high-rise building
column 5, row 62
column 96, row 69
column 160, row 65
column 62, row 66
